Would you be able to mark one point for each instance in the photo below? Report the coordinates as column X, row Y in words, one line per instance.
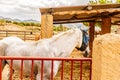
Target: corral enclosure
column 77, row 67
column 23, row 32
column 67, row 67
column 107, row 29
column 76, row 70
column 25, row 35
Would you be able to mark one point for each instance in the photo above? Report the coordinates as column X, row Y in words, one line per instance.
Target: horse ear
column 85, row 29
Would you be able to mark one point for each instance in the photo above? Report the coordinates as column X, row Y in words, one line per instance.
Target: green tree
column 37, row 24
column 93, row 1
column 15, row 22
column 2, row 21
column 8, row 21
column 27, row 24
column 118, row 1
column 100, row 1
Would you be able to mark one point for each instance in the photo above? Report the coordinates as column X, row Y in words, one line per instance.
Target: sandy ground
column 67, row 71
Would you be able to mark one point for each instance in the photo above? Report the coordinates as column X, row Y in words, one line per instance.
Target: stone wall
column 106, row 57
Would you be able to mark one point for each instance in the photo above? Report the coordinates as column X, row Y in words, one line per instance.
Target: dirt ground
column 76, row 68
column 67, row 70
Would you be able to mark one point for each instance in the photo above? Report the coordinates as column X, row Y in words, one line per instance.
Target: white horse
column 4, row 43
column 60, row 45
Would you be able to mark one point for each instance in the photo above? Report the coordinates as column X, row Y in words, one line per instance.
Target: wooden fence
column 25, row 35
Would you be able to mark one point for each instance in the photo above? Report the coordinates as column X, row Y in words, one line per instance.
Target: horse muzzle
column 86, row 54
column 82, row 48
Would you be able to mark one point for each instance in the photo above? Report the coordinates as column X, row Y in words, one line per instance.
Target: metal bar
column 90, row 70
column 42, row 69
column 52, row 70
column 11, row 70
column 71, row 70
column 32, row 70
column 62, row 70
column 42, row 65
column 21, row 74
column 0, row 69
column 80, row 70
column 44, row 58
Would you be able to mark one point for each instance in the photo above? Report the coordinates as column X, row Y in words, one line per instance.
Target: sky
column 29, row 9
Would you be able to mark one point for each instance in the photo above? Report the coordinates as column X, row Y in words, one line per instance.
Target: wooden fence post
column 91, row 34
column 46, row 26
column 106, row 25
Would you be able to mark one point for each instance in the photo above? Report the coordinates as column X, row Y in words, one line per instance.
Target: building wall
column 106, row 57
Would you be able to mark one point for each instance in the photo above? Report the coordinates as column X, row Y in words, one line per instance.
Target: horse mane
column 58, row 36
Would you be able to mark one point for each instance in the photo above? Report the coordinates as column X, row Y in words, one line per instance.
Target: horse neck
column 65, row 43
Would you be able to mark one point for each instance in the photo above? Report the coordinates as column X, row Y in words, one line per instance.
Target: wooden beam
column 78, row 8
column 46, row 26
column 106, row 25
column 91, row 34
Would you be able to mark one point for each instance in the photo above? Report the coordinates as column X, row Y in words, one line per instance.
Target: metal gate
column 71, row 61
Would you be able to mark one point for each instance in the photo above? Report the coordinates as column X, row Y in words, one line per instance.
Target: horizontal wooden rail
column 25, row 35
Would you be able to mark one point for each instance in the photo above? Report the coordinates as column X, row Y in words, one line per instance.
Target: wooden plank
column 46, row 26
column 106, row 25
column 71, row 14
column 91, row 34
column 78, row 8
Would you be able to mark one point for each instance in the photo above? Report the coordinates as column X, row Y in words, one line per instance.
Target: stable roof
column 85, row 13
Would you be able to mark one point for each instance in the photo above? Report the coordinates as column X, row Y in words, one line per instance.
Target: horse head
column 85, row 41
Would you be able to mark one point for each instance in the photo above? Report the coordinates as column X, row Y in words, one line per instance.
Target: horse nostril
column 85, row 54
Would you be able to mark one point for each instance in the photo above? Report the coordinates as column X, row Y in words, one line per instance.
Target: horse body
column 12, row 40
column 4, row 43
column 60, row 45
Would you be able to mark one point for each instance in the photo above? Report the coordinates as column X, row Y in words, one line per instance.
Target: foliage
column 98, row 24
column 100, row 1
column 2, row 21
column 60, row 28
column 118, row 1
column 92, row 2
column 26, row 23
column 15, row 23
column 8, row 21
